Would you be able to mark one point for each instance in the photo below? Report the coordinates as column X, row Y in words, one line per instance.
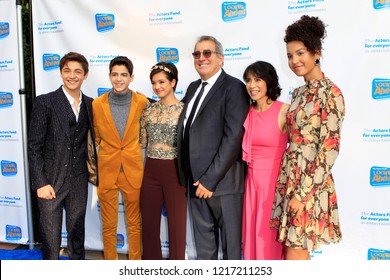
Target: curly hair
column 308, row 30
column 266, row 72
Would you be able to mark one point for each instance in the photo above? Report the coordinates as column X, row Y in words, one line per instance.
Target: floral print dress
column 314, row 123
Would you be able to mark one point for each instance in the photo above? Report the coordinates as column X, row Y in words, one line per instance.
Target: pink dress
column 263, row 148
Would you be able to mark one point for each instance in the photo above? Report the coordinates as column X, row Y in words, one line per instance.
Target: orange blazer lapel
column 108, row 116
column 133, row 113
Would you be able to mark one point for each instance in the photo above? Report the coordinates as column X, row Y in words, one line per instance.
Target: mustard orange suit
column 121, row 167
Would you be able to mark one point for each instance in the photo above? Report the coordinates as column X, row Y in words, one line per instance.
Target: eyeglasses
column 206, row 54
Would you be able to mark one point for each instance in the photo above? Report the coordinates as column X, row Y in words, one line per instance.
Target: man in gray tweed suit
column 60, row 164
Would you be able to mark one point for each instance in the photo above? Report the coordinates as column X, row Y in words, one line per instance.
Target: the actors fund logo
column 50, row 27
column 105, row 22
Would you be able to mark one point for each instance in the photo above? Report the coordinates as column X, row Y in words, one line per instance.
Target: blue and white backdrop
column 13, row 204
column 356, row 57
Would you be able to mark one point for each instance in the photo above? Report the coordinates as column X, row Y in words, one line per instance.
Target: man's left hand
column 201, row 191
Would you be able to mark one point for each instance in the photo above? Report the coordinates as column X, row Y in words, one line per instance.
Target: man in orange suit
column 117, row 116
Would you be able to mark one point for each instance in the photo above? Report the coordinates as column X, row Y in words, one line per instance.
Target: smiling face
column 257, row 88
column 120, row 78
column 73, row 76
column 302, row 62
column 207, row 67
column 162, row 87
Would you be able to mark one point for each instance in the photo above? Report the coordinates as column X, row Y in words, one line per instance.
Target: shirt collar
column 214, row 78
column 69, row 97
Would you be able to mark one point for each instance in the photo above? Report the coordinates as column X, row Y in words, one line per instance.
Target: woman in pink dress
column 265, row 140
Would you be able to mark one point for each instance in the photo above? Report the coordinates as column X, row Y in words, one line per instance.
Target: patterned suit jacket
column 114, row 152
column 49, row 138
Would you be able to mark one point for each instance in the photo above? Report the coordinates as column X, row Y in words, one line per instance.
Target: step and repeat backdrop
column 356, row 57
column 13, row 204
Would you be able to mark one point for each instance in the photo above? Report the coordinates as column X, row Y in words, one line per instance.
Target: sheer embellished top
column 159, row 129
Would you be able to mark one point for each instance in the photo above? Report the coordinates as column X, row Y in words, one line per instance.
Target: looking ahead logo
column 379, row 176
column 8, row 168
column 167, row 55
column 6, row 99
column 381, row 4
column 380, row 89
column 50, row 61
column 105, row 22
column 13, row 232
column 378, row 254
column 101, row 91
column 120, row 241
column 164, row 210
column 4, row 30
column 232, row 11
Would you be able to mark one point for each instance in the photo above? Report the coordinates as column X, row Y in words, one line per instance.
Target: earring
column 317, row 61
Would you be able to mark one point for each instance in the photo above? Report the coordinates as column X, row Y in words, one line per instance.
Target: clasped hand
column 46, row 192
column 201, row 191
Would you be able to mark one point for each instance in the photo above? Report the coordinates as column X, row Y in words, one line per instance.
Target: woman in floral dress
column 305, row 206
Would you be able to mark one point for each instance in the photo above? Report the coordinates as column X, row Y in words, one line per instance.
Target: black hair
column 122, row 60
column 168, row 68
column 266, row 72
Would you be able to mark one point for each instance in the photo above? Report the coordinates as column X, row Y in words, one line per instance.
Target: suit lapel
column 191, row 92
column 88, row 107
column 133, row 109
column 218, row 83
column 188, row 97
column 63, row 110
column 108, row 116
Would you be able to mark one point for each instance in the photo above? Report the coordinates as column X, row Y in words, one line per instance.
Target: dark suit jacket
column 216, row 136
column 49, row 138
